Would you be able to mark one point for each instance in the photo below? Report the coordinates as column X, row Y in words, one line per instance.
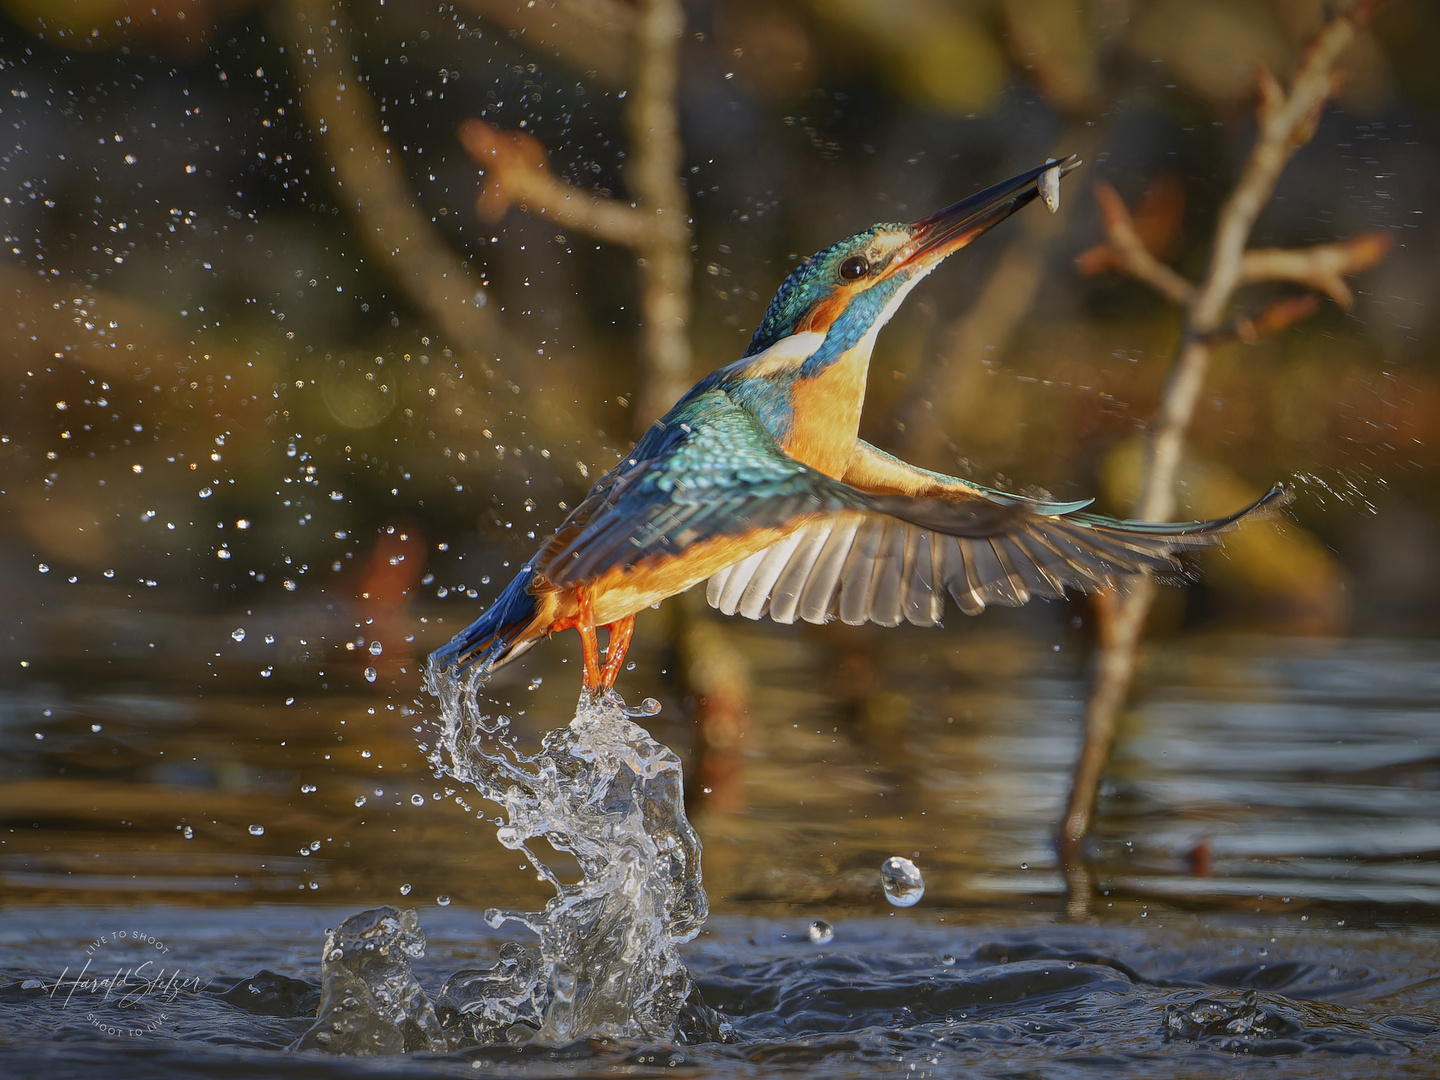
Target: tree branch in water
column 1287, row 120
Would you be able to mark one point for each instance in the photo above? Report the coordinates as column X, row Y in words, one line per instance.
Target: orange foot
column 597, row 678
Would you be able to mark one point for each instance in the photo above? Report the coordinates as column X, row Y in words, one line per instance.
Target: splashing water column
column 606, row 792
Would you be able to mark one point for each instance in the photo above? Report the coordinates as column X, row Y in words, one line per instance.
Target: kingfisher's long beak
column 945, row 232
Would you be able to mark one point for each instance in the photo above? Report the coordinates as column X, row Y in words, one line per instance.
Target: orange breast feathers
column 826, row 418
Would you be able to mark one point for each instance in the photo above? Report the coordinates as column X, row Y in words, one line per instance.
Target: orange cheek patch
column 823, row 315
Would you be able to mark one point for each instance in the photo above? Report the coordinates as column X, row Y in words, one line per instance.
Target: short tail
column 494, row 638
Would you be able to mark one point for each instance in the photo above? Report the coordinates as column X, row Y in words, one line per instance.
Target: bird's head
column 851, row 289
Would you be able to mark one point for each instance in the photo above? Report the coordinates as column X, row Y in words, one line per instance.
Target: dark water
column 1271, row 825
column 903, row 996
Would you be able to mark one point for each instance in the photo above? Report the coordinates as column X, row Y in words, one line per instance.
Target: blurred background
column 284, row 406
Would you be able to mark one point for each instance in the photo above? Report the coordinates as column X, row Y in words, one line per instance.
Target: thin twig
column 655, row 180
column 516, row 173
column 1286, row 122
column 1128, row 252
column 656, row 227
column 1322, row 268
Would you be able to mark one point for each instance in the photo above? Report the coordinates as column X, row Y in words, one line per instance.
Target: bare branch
column 372, row 183
column 655, row 181
column 1322, row 268
column 1127, row 252
column 1286, row 121
column 517, row 174
column 656, row 227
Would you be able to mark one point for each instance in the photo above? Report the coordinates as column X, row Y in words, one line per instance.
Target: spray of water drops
column 606, row 962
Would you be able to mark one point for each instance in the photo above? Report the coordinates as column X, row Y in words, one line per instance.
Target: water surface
column 1270, row 824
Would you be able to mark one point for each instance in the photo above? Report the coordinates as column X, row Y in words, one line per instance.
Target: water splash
column 1344, row 487
column 606, row 792
column 371, row 1003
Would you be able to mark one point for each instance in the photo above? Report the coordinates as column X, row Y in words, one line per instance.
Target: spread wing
column 924, row 535
column 710, row 474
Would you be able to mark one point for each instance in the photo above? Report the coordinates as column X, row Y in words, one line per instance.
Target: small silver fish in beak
column 1049, row 185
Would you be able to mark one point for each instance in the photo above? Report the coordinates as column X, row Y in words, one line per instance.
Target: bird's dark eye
column 854, row 268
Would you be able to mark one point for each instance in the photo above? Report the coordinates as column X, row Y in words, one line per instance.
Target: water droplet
column 901, row 881
column 536, row 682
column 238, row 633
column 417, row 800
column 376, row 648
column 1024, row 866
column 307, row 789
column 947, row 960
column 366, row 754
column 269, row 639
column 405, row 889
column 188, row 833
column 443, row 900
column 257, row 830
column 205, row 493
column 97, row 728
column 821, row 932
column 371, row 674
column 360, row 800
column 44, row 569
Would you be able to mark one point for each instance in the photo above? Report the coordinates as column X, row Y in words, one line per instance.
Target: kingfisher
column 757, row 480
